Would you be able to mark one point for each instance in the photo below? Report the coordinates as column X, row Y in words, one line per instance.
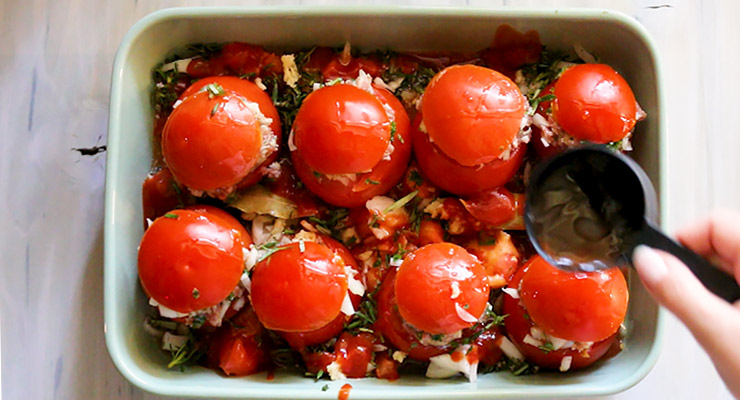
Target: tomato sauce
column 344, row 392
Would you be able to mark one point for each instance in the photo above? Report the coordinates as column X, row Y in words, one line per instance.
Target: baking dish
column 616, row 39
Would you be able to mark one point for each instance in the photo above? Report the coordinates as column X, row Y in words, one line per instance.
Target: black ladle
column 589, row 207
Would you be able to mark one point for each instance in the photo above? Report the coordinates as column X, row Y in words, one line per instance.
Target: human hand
column 714, row 323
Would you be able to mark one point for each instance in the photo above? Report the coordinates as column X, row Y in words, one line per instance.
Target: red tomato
column 212, row 141
column 354, row 354
column 519, row 324
column 593, row 102
column 319, row 57
column 238, row 59
column 496, row 206
column 159, row 194
column 190, row 260
column 512, row 49
column 584, row 307
column 341, row 129
column 382, row 176
column 299, row 340
column 449, row 175
column 437, row 285
column 392, row 328
column 472, row 114
column 386, row 367
column 299, row 291
column 253, row 93
column 487, row 343
column 237, row 348
column 335, row 69
column 226, row 218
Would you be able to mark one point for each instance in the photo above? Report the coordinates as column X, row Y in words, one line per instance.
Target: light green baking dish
column 615, row 38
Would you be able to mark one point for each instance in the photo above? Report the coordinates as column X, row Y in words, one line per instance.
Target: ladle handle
column 716, row 280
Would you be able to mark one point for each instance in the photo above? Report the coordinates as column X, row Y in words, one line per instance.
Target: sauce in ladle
column 576, row 236
column 588, row 208
column 577, row 220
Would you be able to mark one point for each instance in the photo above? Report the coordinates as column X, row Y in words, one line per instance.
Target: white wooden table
column 55, row 66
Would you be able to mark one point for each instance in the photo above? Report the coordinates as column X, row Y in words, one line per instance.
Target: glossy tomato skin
column 519, row 324
column 160, row 193
column 250, row 91
column 472, row 114
column 593, row 102
column 237, row 59
column 391, row 326
column 335, row 69
column 425, row 288
column 299, row 340
column 211, row 143
column 341, row 129
column 238, row 348
column 449, row 175
column 299, row 288
column 226, row 218
column 580, row 306
column 496, row 206
column 382, row 176
column 190, row 260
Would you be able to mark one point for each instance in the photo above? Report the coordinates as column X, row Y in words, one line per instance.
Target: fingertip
column 649, row 265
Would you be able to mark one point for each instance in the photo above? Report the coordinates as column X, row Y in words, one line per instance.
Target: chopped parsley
column 371, row 182
column 214, row 90
column 543, row 99
column 189, row 352
column 547, row 347
column 485, row 240
column 171, row 215
column 416, row 178
column 393, row 132
column 196, row 293
column 364, row 318
column 270, row 251
column 401, row 202
column 205, row 50
column 333, row 223
column 325, row 388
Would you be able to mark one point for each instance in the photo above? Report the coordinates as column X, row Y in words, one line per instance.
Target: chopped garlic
column 164, row 311
column 399, row 356
column 510, row 349
column 511, row 292
column 347, row 307
column 565, row 363
column 290, row 70
column 443, row 366
column 354, row 285
column 171, row 342
column 178, row 65
column 335, row 371
column 465, row 315
column 583, row 54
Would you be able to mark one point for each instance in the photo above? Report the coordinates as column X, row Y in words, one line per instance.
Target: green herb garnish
column 401, row 202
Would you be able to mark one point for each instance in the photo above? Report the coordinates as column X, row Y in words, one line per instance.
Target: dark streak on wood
column 90, row 151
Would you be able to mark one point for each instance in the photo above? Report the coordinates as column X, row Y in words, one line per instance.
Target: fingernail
column 649, row 265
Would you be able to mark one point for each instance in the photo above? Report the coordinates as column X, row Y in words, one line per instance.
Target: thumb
column 674, row 286
column 714, row 323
